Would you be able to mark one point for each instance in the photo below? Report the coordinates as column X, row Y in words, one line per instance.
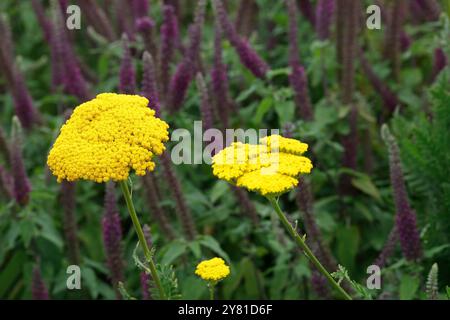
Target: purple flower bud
column 23, row 104
column 45, row 24
column 219, row 81
column 112, row 237
column 389, row 98
column 156, row 211
column 21, row 184
column 38, row 288
column 439, row 63
column 405, row 41
column 299, row 84
column 127, row 81
column 205, row 104
column 430, row 8
column 183, row 212
column 294, row 54
column 307, row 9
column 149, row 89
column 324, row 15
column 69, row 221
column 393, row 35
column 249, row 58
column 169, row 40
column 405, row 217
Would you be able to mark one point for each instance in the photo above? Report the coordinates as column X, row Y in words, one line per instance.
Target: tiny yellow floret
column 213, row 269
column 106, row 137
column 269, row 168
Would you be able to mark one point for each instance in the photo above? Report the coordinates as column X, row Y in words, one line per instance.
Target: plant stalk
column 142, row 241
column 301, row 243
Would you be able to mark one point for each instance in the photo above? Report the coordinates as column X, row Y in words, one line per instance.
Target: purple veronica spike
column 149, row 89
column 156, row 211
column 45, row 24
column 70, row 221
column 169, row 40
column 219, row 81
column 183, row 211
column 405, row 217
column 430, row 9
column 307, row 9
column 146, row 27
column 97, row 18
column 393, row 35
column 205, row 104
column 127, row 81
column 320, row 285
column 249, row 58
column 294, row 54
column 179, row 85
column 439, row 63
column 23, row 103
column 144, row 24
column 112, row 237
column 389, row 98
column 38, row 288
column 324, row 15
column 21, row 184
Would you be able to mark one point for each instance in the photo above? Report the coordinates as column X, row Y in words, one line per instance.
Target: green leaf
column 27, row 231
column 348, row 243
column 175, row 249
column 365, row 184
column 212, row 244
column 90, row 281
column 408, row 287
column 218, row 190
column 263, row 107
column 195, row 248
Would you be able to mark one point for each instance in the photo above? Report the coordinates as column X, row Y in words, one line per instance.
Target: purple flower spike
column 320, row 285
column 299, row 84
column 149, row 89
column 179, row 85
column 205, row 104
column 140, row 8
column 70, row 221
column 307, row 10
column 6, row 183
column 249, row 58
column 21, row 184
column 144, row 24
column 405, row 217
column 45, row 24
column 324, row 15
column 112, row 237
column 38, row 288
column 388, row 249
column 169, row 41
column 127, row 81
column 146, row 278
column 219, row 81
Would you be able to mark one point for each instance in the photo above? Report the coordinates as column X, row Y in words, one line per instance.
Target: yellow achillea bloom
column 269, row 168
column 213, row 269
column 106, row 137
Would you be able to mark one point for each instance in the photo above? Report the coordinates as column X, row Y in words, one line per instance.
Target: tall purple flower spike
column 297, row 78
column 38, row 288
column 21, row 184
column 324, row 16
column 127, row 81
column 388, row 249
column 149, row 88
column 188, row 66
column 169, row 40
column 440, row 61
column 112, row 237
column 140, row 8
column 70, row 221
column 249, row 58
column 146, row 27
column 219, row 79
column 307, row 10
column 405, row 217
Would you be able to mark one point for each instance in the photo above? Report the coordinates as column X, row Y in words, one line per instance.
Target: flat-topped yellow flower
column 269, row 168
column 212, row 270
column 106, row 137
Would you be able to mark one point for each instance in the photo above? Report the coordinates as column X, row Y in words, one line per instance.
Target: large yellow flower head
column 106, row 137
column 269, row 168
column 213, row 269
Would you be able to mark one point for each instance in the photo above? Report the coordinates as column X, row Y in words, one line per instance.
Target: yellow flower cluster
column 269, row 168
column 213, row 269
column 106, row 137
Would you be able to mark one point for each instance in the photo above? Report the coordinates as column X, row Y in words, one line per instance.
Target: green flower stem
column 301, row 243
column 142, row 241
column 211, row 287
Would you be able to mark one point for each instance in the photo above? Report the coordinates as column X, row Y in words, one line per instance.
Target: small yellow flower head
column 269, row 168
column 213, row 269
column 106, row 137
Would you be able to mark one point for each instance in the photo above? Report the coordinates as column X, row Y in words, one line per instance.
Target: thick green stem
column 142, row 241
column 211, row 291
column 301, row 243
